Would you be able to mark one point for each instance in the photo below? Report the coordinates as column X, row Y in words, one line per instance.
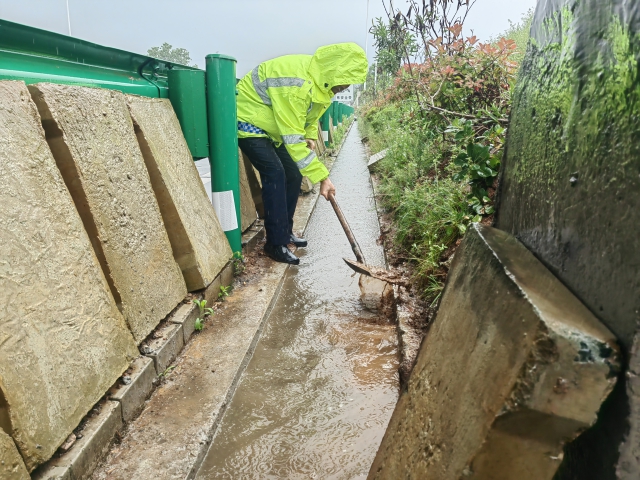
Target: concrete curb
column 86, row 453
column 126, row 400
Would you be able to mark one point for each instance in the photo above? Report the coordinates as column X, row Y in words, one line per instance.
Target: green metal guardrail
column 336, row 112
column 35, row 55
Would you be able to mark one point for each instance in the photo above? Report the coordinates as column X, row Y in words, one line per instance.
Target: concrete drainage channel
column 132, row 430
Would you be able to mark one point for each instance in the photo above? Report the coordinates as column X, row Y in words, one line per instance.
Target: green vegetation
column 167, row 371
column 519, row 33
column 203, row 313
column 202, row 304
column 441, row 108
column 199, row 325
column 238, row 263
column 225, row 291
column 170, row 54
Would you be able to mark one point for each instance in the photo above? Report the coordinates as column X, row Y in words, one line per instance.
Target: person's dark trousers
column 281, row 182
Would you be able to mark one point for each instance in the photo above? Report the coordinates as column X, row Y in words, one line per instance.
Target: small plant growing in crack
column 204, row 311
column 238, row 263
column 225, row 291
column 167, row 371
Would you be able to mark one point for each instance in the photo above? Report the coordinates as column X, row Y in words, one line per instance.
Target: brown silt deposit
column 63, row 341
column 199, row 245
column 91, row 135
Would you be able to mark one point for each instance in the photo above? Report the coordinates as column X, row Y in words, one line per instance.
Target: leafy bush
column 443, row 118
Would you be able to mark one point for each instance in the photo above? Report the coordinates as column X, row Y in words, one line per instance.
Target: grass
column 429, row 208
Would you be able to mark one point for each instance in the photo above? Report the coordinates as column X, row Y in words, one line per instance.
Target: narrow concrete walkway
column 317, row 395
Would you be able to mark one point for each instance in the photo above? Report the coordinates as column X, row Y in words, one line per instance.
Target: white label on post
column 225, row 208
column 325, row 136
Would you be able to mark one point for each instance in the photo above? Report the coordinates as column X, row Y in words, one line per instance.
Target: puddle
column 319, row 391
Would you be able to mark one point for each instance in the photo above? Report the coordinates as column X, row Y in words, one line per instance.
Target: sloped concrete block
column 376, row 158
column 11, row 463
column 199, row 245
column 91, row 135
column 63, row 341
column 247, row 206
column 512, row 368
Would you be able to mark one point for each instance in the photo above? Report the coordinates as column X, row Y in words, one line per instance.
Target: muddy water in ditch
column 319, row 391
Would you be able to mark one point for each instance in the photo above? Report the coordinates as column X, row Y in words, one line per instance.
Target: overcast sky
column 250, row 30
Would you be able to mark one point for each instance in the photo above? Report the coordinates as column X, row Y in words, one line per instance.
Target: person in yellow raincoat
column 279, row 105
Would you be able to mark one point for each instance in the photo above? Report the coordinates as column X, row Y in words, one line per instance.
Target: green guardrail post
column 188, row 97
column 223, row 145
column 324, row 124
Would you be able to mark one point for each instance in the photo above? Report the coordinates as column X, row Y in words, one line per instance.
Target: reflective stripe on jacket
column 286, row 97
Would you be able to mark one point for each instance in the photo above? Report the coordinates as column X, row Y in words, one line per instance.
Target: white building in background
column 345, row 97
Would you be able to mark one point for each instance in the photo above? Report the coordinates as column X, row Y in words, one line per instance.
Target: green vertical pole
column 334, row 113
column 324, row 123
column 223, row 145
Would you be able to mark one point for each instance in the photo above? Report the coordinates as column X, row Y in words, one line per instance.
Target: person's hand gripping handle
column 327, row 189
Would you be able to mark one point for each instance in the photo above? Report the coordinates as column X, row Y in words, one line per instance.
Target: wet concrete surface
column 318, row 393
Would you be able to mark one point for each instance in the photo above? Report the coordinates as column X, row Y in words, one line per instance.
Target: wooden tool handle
column 347, row 229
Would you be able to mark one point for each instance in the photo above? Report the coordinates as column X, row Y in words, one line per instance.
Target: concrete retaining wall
column 63, row 341
column 92, row 138
column 570, row 192
column 82, row 239
column 199, row 245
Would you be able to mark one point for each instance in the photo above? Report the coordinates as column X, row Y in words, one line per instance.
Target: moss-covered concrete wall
column 570, row 191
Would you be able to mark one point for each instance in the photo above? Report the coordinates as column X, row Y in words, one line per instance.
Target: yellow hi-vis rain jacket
column 285, row 97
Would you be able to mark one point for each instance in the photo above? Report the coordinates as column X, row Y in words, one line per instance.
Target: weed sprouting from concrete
column 199, row 325
column 225, row 291
column 202, row 305
column 238, row 263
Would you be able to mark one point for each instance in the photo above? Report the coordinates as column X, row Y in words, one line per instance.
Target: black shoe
column 298, row 242
column 280, row 253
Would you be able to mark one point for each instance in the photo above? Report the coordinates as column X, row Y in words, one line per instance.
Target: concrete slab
column 91, row 135
column 166, row 346
column 86, row 452
column 186, row 316
column 134, row 387
column 513, row 367
column 376, row 158
column 11, row 464
column 199, row 245
column 63, row 341
column 248, row 212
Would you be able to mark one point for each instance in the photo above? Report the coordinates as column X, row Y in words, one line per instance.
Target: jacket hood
column 338, row 64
